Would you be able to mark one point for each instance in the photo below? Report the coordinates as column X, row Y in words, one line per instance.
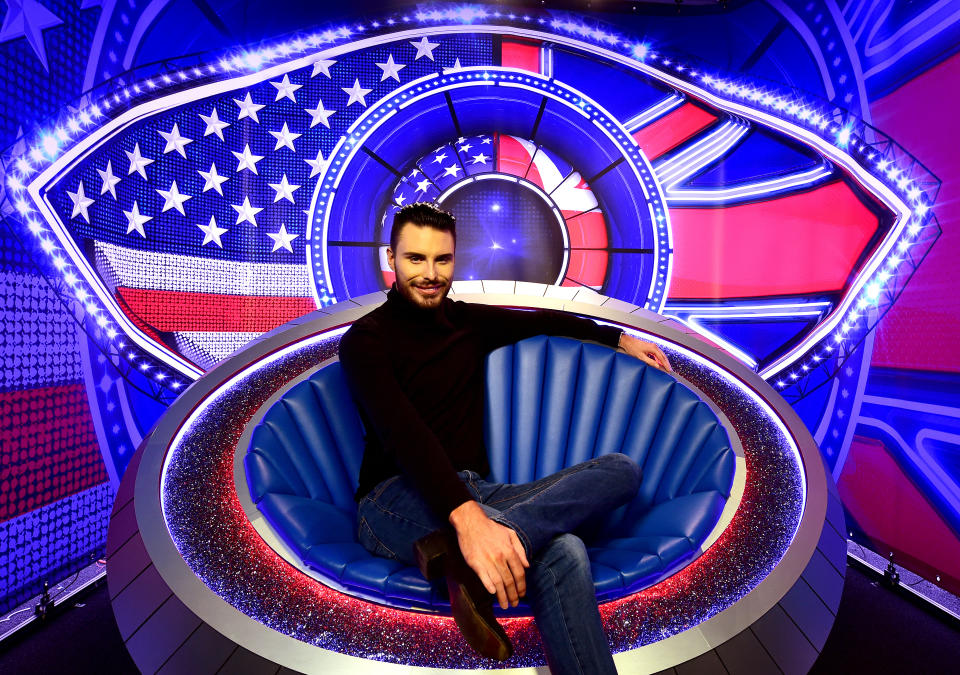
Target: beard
column 425, row 294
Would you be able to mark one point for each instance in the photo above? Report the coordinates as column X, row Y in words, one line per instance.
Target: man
column 415, row 366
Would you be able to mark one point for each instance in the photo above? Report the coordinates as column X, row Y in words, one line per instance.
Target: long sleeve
column 503, row 326
column 401, row 430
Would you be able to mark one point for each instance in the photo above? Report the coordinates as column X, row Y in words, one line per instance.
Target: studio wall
column 759, row 270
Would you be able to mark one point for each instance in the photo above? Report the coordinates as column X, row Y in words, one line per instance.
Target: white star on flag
column 455, row 67
column 390, row 69
column 214, row 125
column 465, row 147
column 138, row 162
column 246, row 212
column 439, row 158
column 212, row 179
column 284, row 189
column 285, row 88
column 247, row 160
column 317, row 165
column 109, row 181
column 452, row 171
column 480, row 159
column 172, row 199
column 322, row 66
column 400, row 200
column 135, row 220
column 423, row 185
column 424, row 48
column 282, row 238
column 486, row 140
column 284, row 138
column 357, row 93
column 175, row 141
column 248, row 108
column 212, row 233
column 80, row 203
column 319, row 115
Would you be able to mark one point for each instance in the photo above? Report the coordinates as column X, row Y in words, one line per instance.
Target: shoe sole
column 489, row 641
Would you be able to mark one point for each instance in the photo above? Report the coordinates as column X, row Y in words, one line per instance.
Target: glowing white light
column 50, row 145
column 873, row 291
column 843, row 137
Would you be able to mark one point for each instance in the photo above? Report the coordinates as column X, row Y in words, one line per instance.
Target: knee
column 628, row 471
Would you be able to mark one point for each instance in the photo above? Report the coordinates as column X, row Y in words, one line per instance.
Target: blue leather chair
column 550, row 403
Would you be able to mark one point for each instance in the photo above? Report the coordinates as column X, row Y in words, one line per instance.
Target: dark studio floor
column 876, row 631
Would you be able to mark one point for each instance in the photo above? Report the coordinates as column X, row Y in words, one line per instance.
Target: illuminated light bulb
column 843, row 137
column 50, row 145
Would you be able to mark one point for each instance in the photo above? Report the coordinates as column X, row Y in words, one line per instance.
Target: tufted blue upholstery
column 550, row 403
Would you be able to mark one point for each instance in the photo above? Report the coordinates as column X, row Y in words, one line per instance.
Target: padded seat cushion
column 550, row 403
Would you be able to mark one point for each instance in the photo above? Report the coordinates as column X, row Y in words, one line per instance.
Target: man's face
column 423, row 263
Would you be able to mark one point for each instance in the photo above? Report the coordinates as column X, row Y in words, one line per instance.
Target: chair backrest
column 309, row 443
column 550, row 403
column 553, row 402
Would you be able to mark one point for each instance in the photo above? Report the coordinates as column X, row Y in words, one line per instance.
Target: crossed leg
column 393, row 516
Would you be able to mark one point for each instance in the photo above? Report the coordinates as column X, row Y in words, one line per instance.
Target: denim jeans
column 543, row 513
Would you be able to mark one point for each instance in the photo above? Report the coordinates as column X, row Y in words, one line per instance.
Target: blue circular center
column 505, row 231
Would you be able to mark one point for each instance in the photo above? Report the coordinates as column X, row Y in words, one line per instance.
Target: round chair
column 550, row 403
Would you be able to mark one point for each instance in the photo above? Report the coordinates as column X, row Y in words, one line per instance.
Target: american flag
column 194, row 217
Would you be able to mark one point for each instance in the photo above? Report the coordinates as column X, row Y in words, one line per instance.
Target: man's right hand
column 493, row 551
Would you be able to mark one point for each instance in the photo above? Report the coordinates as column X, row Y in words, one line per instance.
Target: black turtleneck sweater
column 417, row 377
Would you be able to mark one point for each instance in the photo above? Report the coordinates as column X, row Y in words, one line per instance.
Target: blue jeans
column 543, row 513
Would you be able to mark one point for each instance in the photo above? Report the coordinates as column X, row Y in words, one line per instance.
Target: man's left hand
column 647, row 352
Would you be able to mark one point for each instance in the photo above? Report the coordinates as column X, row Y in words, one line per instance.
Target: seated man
column 415, row 365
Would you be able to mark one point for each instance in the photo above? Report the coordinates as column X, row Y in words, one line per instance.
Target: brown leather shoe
column 438, row 554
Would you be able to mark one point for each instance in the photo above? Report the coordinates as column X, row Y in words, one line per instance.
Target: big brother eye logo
column 193, row 211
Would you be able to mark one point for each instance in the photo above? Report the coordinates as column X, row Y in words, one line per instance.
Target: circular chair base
column 171, row 621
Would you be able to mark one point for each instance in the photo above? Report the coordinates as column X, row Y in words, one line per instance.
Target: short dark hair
column 423, row 214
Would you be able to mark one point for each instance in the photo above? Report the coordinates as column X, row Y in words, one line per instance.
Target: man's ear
column 390, row 259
